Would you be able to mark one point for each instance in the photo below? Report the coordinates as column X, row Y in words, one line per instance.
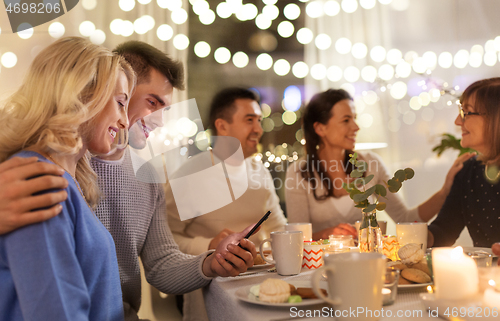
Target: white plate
column 244, row 294
column 260, row 266
column 413, row 286
column 453, row 308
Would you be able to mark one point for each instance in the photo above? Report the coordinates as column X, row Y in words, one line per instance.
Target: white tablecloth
column 222, row 304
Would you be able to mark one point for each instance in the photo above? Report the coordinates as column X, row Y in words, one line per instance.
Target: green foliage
column 449, row 141
column 360, row 195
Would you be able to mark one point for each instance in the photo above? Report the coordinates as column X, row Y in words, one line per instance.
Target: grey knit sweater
column 134, row 214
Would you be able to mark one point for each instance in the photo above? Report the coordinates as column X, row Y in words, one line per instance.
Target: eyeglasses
column 463, row 114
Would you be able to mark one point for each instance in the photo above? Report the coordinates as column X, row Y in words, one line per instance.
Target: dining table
column 223, row 303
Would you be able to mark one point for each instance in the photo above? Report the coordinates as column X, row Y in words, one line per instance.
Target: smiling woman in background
column 474, row 200
column 73, row 100
column 314, row 190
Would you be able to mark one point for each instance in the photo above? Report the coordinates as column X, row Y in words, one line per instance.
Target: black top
column 473, row 202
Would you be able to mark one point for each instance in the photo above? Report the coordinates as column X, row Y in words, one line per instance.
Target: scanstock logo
column 28, row 14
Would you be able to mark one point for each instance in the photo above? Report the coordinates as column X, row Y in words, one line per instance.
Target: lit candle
column 491, row 297
column 386, row 295
column 455, row 274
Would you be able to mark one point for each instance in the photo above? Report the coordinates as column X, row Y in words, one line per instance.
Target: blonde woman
column 73, row 100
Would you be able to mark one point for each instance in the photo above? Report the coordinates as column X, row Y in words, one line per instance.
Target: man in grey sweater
column 134, row 211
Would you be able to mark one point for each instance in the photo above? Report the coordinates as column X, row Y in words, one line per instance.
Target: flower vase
column 370, row 235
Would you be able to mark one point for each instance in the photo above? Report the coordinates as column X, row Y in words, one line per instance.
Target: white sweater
column 303, row 207
column 194, row 235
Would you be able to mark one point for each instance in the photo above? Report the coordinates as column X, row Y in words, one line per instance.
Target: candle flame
column 457, row 252
column 429, row 289
column 492, row 283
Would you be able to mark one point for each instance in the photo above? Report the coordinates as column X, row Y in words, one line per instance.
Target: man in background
column 234, row 112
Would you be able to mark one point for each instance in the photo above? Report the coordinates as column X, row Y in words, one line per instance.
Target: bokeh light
column 181, row 42
column 285, row 29
column 56, row 30
column 369, row 73
column 318, row 71
column 304, row 36
column 98, row 37
column 292, row 99
column 281, row 67
column 359, row 50
column 202, row 49
column 86, row 28
column 126, row 5
column 240, row 59
column 323, row 41
column 300, row 69
column 222, row 55
column 351, row 74
column 165, row 32
column 394, row 56
column 398, row 90
column 264, row 61
column 291, row 11
column 343, row 45
column 334, row 73
column 331, row 8
column 9, row 59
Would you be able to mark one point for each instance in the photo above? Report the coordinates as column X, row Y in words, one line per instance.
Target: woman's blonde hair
column 67, row 85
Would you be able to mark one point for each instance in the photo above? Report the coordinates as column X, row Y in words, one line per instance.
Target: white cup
column 412, row 233
column 306, row 229
column 288, row 249
column 361, row 293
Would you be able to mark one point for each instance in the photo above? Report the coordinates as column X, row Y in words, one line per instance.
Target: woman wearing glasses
column 474, row 199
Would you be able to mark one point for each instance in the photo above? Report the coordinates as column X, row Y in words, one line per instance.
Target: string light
column 98, row 37
column 281, row 67
column 285, row 29
column 202, row 49
column 86, row 28
column 127, row 28
column 304, row 36
column 240, row 59
column 56, row 30
column 181, row 42
column 300, row 69
column 264, row 61
column 89, row 4
column 164, row 32
column 291, row 11
column 126, row 5
column 179, row 16
column 9, row 59
column 222, row 55
column 26, row 30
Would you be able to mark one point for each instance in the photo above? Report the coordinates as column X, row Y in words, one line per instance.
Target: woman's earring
column 317, row 147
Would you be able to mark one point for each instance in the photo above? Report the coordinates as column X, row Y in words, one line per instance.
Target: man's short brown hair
column 142, row 57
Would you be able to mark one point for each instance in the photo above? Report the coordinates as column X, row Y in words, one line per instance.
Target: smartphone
column 265, row 217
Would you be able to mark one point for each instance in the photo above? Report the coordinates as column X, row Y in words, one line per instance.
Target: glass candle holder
column 482, row 258
column 390, row 289
column 340, row 243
